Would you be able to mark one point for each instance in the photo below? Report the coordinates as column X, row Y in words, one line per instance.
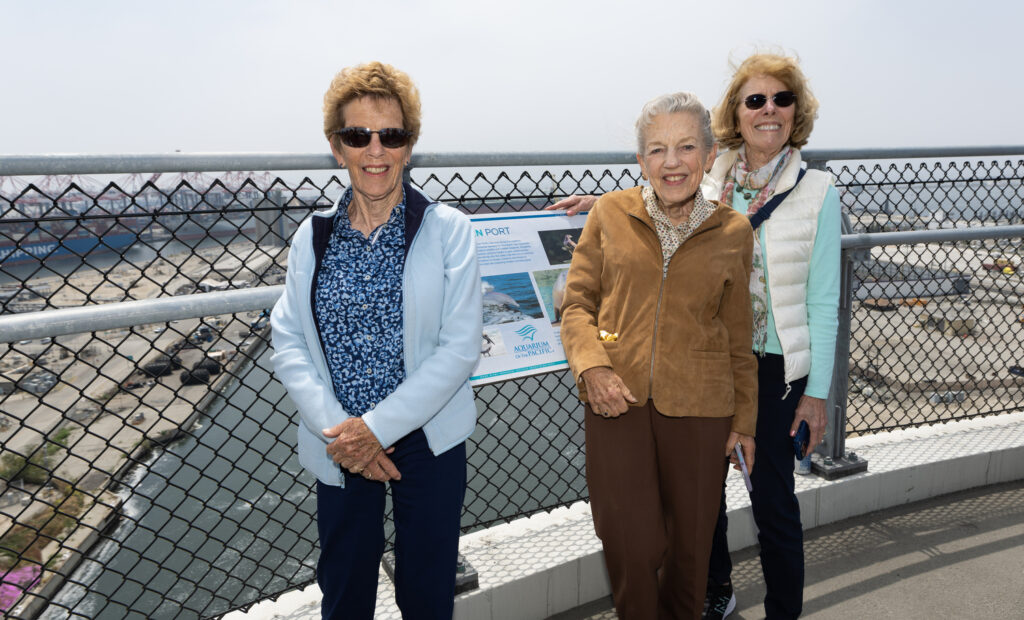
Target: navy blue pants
column 427, row 508
column 773, row 502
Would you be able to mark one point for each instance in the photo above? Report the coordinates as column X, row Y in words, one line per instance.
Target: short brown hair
column 784, row 69
column 376, row 80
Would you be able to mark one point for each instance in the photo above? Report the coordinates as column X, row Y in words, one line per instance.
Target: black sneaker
column 719, row 602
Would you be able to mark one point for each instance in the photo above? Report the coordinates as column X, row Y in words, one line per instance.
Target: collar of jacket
column 637, row 209
column 416, row 203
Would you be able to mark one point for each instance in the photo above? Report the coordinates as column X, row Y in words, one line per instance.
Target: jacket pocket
column 715, row 388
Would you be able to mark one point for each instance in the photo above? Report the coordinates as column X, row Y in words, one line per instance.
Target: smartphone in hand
column 743, row 467
column 800, row 440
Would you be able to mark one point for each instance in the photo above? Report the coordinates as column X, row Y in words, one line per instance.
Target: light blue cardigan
column 441, row 305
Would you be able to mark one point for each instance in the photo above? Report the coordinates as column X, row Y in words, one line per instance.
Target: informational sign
column 524, row 259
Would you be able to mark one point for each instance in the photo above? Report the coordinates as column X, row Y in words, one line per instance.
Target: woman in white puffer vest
column 765, row 116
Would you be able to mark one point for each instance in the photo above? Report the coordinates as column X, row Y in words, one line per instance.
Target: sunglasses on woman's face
column 359, row 137
column 781, row 99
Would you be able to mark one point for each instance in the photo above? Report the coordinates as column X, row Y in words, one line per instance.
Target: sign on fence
column 524, row 259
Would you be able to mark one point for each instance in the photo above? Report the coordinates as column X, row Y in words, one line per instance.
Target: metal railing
column 147, row 460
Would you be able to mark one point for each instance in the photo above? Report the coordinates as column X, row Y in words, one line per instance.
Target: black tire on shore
column 208, row 364
column 173, row 360
column 195, row 376
column 158, row 368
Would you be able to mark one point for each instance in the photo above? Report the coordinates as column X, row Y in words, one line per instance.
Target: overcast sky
column 200, row 76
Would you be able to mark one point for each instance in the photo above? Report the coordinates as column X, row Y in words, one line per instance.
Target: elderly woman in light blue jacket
column 375, row 338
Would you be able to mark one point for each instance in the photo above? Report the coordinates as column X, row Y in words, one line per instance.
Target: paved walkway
column 956, row 556
column 933, row 529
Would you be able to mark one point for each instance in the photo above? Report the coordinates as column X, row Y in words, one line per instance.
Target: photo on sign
column 551, row 284
column 509, row 298
column 493, row 344
column 559, row 244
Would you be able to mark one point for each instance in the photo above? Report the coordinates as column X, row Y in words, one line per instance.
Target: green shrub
column 13, row 467
column 36, row 470
column 61, row 436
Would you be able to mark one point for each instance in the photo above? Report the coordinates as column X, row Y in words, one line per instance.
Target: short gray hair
column 671, row 104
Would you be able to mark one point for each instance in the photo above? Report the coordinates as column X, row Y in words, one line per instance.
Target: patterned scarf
column 740, row 178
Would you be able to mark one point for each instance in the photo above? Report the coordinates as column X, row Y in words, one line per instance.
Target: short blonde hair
column 784, row 69
column 379, row 81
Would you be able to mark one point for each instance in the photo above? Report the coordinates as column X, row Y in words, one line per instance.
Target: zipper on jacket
column 654, row 336
column 661, row 293
column 768, row 284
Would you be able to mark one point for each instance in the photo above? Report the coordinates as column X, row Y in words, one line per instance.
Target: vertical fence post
column 836, row 462
column 835, row 405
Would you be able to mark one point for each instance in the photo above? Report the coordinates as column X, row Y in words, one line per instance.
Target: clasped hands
column 356, row 449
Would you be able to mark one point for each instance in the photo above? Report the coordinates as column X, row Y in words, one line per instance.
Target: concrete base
column 466, row 577
column 546, row 564
column 830, row 469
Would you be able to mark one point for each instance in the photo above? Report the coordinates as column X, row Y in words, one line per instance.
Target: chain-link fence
column 148, row 470
column 936, row 328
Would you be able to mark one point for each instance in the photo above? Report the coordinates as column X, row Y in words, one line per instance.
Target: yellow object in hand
column 607, row 337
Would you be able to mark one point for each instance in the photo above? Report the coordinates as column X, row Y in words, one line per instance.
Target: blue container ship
column 36, row 241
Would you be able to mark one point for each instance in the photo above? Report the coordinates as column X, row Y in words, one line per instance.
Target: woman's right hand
column 606, row 392
column 746, row 444
column 573, row 204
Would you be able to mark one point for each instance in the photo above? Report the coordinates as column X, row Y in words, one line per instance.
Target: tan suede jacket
column 683, row 336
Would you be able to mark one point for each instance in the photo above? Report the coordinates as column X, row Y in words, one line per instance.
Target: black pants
column 773, row 501
column 427, row 508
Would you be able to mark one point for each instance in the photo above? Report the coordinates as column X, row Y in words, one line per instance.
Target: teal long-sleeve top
column 822, row 294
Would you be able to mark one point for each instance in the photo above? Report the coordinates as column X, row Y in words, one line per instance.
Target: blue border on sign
column 519, row 370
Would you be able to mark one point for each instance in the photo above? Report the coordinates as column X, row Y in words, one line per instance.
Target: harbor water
column 232, row 495
column 235, row 497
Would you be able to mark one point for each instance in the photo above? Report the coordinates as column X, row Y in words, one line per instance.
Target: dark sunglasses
column 781, row 99
column 390, row 138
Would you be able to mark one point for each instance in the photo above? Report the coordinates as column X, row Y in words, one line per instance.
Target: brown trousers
column 655, row 488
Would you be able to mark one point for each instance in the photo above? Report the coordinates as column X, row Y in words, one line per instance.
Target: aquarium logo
column 526, row 349
column 527, row 332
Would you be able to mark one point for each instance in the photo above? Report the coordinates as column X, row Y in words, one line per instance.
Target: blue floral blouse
column 358, row 306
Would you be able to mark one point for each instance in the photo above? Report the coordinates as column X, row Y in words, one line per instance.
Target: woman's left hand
column 355, row 448
column 811, row 410
column 382, row 468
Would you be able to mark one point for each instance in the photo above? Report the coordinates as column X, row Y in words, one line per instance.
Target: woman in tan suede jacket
column 656, row 324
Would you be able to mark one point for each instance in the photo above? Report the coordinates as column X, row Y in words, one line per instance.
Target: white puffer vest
column 789, row 239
